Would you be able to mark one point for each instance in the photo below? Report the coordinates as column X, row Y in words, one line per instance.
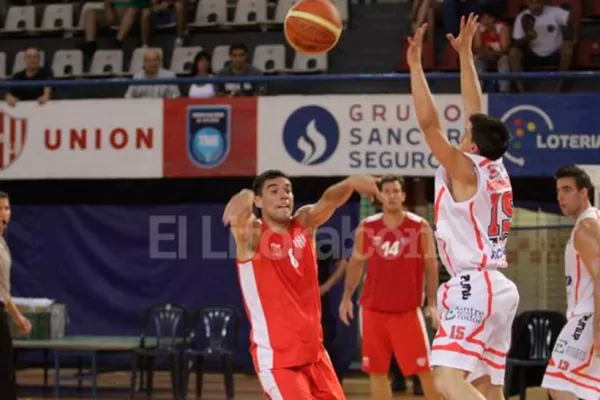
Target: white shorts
column 477, row 310
column 574, row 366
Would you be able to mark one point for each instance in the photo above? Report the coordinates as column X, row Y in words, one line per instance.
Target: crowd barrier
column 373, row 77
column 306, row 135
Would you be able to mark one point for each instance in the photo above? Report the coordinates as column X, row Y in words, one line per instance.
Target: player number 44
column 502, row 212
column 390, row 248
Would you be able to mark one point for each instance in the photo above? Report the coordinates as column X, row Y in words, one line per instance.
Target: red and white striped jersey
column 580, row 285
column 280, row 288
column 472, row 234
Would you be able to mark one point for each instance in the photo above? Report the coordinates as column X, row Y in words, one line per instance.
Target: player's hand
column 464, row 42
column 237, row 205
column 432, row 315
column 23, row 325
column 346, row 310
column 415, row 45
column 367, row 186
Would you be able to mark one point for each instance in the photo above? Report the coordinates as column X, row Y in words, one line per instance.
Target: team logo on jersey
column 526, row 123
column 275, row 250
column 311, row 135
column 208, row 135
column 299, row 241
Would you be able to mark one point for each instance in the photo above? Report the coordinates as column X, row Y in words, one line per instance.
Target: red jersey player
column 398, row 249
column 472, row 213
column 277, row 270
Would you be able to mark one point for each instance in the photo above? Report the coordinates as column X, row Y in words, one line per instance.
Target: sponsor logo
column 465, row 286
column 464, row 314
column 208, row 135
column 580, row 326
column 311, row 135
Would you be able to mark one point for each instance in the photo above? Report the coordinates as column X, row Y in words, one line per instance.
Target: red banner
column 210, row 137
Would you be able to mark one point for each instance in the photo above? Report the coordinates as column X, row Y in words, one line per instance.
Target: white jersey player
column 574, row 369
column 473, row 211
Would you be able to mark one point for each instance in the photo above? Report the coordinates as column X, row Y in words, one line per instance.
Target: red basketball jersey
column 395, row 265
column 281, row 294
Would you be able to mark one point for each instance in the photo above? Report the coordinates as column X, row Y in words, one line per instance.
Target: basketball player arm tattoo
column 457, row 164
column 587, row 245
column 432, row 271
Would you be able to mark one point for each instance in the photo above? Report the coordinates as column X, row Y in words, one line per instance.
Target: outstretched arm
column 469, row 81
column 315, row 215
column 458, row 165
column 587, row 245
column 238, row 212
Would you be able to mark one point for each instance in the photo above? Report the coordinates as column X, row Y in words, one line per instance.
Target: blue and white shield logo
column 208, row 135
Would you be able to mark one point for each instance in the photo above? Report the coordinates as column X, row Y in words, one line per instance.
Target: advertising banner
column 341, row 135
column 81, row 139
column 210, row 137
column 548, row 131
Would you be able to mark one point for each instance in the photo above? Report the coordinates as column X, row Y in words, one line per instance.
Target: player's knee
column 445, row 379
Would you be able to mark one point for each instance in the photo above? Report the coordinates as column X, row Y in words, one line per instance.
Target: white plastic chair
column 20, row 18
column 269, row 58
column 250, row 12
column 304, row 63
column 66, row 63
column 220, row 56
column 106, row 62
column 183, row 58
column 57, row 17
column 210, row 13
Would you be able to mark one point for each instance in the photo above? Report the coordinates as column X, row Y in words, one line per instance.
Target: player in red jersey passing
column 277, row 271
column 398, row 249
column 472, row 215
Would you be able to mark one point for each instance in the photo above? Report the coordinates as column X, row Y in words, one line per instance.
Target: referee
column 8, row 384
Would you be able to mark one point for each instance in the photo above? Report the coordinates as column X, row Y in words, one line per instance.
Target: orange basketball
column 313, row 26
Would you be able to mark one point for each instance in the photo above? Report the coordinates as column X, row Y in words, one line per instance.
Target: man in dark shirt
column 332, row 268
column 33, row 72
column 238, row 66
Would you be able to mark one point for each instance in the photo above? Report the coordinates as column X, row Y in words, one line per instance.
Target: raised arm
column 457, row 164
column 238, row 212
column 587, row 245
column 469, row 81
column 314, row 215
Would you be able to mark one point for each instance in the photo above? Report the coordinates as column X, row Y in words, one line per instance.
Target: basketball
column 313, row 26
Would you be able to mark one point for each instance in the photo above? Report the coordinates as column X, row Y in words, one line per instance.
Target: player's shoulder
column 412, row 217
column 371, row 219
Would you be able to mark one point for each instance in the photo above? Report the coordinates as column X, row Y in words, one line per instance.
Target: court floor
column 247, row 387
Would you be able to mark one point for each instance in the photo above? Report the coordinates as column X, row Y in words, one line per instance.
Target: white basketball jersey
column 580, row 285
column 472, row 234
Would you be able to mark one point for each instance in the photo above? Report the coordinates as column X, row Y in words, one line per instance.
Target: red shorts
column 403, row 334
column 316, row 381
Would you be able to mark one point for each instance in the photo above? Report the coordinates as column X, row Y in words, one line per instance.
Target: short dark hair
column 490, row 135
column 259, row 181
column 3, row 195
column 392, row 178
column 582, row 179
column 238, row 46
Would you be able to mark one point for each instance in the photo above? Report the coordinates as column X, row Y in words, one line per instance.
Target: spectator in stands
column 165, row 11
column 238, row 66
column 116, row 12
column 33, row 71
column 491, row 45
column 153, row 70
column 202, row 69
column 539, row 41
column 454, row 9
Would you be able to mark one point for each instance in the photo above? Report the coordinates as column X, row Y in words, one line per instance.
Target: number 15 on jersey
column 501, row 215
